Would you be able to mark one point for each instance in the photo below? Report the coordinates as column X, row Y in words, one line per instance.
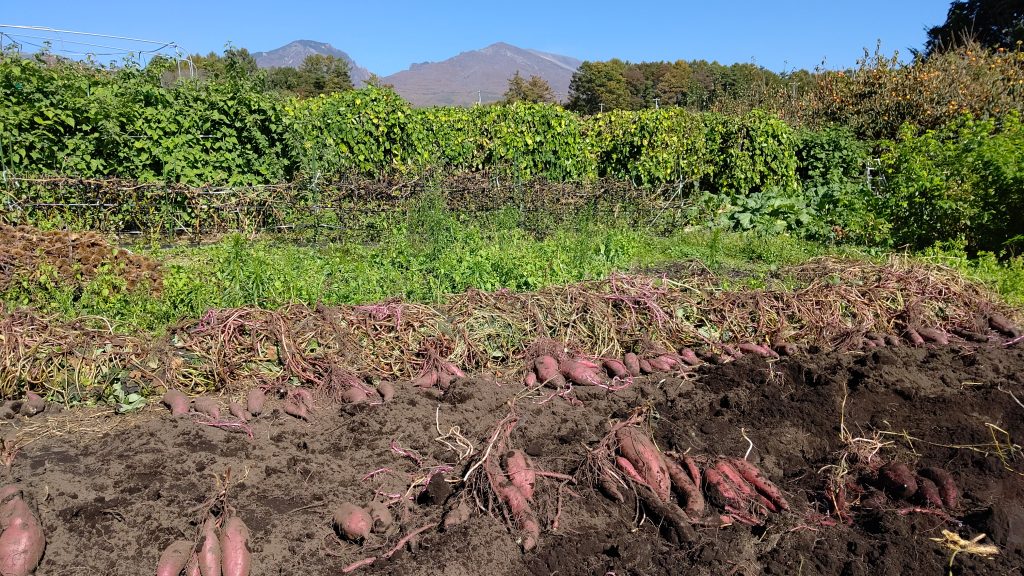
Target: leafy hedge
column 961, row 181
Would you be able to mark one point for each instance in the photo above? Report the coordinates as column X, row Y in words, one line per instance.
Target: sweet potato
column 891, row 340
column 719, row 489
column 732, row 351
column 254, row 401
column 756, row 349
column 520, row 472
column 615, row 368
column 548, row 373
column 192, row 568
column 444, row 379
column 752, row 474
column 970, row 335
column 207, row 406
column 674, row 522
column 645, row 366
column 174, row 558
column 454, row 370
column 8, row 492
column 913, row 337
column 210, row 554
column 236, row 410
column 304, row 396
column 632, row 363
column 944, row 482
column 234, row 545
column 785, row 349
column 629, row 470
column 381, row 516
column 530, row 381
column 177, row 401
column 386, row 390
column 689, row 357
column 519, row 509
column 578, row 373
column 646, row 458
column 691, row 468
column 933, row 335
column 293, row 408
column 354, row 395
column 928, row 492
column 608, row 487
column 897, row 480
column 732, row 476
column 352, row 522
column 427, row 379
column 692, row 497
column 669, row 360
column 1000, row 324
column 658, row 365
column 22, row 542
column 33, row 404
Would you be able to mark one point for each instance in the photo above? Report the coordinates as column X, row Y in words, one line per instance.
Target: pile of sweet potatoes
column 677, row 488
column 221, row 549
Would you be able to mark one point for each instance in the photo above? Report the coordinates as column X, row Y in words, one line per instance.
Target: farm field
column 695, row 319
column 112, row 490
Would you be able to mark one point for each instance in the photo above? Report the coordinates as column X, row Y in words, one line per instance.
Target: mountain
column 456, row 81
column 292, row 54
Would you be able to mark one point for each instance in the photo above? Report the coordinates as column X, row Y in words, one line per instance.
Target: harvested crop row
column 232, row 348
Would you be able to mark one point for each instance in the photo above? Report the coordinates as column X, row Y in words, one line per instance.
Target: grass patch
column 423, row 254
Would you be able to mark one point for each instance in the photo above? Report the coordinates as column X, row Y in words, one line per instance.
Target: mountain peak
column 481, row 74
column 293, row 53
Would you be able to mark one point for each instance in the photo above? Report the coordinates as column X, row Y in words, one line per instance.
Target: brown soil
column 112, row 491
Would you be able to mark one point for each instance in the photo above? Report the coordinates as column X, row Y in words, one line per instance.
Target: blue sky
column 387, row 36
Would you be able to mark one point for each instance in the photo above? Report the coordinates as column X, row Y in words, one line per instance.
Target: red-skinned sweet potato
column 548, row 373
column 690, row 357
column 645, row 366
column 928, row 492
column 913, row 337
column 386, row 390
column 454, row 370
column 578, row 373
column 520, row 472
column 719, row 489
column 177, row 401
column 530, row 380
column 236, row 410
column 752, row 474
column 354, row 395
column 897, row 479
column 427, row 379
column 646, row 458
column 23, row 542
column 210, row 554
column 692, row 497
column 234, row 545
column 33, row 404
column 207, row 406
column 657, row 365
column 944, row 482
column 732, row 476
column 615, row 368
column 934, row 335
column 254, row 401
column 192, row 568
column 293, row 408
column 757, row 349
column 174, row 558
column 632, row 363
column 352, row 522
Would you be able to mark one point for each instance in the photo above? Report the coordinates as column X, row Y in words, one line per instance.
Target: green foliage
column 318, row 74
column 72, row 119
column 963, row 182
column 991, row 23
column 534, row 91
column 370, row 131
